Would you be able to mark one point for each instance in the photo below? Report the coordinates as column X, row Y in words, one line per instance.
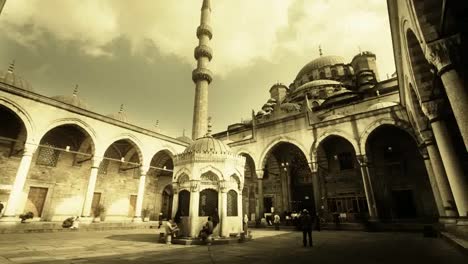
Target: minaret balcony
column 203, row 51
column 204, row 29
column 202, row 74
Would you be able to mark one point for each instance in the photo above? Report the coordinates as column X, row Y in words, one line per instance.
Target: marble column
column 440, row 178
column 368, row 189
column 141, row 194
column 432, row 181
column 86, row 212
column 450, row 159
column 239, row 210
column 193, row 210
column 175, row 200
column 260, row 194
column 441, row 55
column 14, row 200
column 223, row 212
column 316, row 186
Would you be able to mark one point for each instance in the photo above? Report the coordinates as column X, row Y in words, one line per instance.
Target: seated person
column 171, row 230
column 207, row 229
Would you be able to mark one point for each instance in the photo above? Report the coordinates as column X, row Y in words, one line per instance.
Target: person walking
column 306, row 226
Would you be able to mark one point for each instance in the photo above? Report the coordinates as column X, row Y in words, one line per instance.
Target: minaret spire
column 202, row 76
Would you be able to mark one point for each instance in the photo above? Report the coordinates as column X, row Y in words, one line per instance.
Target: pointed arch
column 132, row 139
column 212, row 169
column 283, row 139
column 378, row 123
column 337, row 133
column 23, row 115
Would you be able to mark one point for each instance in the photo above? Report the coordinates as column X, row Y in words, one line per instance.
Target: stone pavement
column 268, row 246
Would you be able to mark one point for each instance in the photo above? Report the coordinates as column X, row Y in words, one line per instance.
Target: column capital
column 259, row 174
column 96, row 162
column 194, row 186
column 223, row 186
column 144, row 170
column 313, row 165
column 433, row 109
column 427, row 137
column 29, row 149
column 440, row 52
column 363, row 160
column 175, row 188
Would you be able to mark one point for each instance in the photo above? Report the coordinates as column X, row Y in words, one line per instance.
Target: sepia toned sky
column 140, row 53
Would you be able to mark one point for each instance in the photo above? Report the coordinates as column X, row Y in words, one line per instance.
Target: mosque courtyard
column 268, row 246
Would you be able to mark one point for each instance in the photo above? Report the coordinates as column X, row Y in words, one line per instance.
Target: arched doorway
column 62, row 160
column 287, row 180
column 340, row 180
column 159, row 184
column 249, row 194
column 166, row 201
column 400, row 182
column 119, row 170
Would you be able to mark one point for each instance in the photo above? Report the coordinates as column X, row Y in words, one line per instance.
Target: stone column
column 193, row 210
column 175, row 199
column 223, row 212
column 17, row 189
column 368, row 189
column 316, row 186
column 141, row 194
column 450, row 159
column 440, row 178
column 239, row 209
column 432, row 181
column 86, row 212
column 260, row 194
column 441, row 53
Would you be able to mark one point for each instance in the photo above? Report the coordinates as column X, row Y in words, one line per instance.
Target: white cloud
column 243, row 30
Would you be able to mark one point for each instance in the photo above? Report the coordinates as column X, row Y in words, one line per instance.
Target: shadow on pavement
column 136, row 237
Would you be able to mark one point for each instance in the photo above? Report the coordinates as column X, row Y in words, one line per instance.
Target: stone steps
column 50, row 227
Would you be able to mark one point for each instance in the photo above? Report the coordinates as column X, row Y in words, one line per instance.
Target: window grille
column 184, row 202
column 47, row 156
column 208, row 202
column 232, row 203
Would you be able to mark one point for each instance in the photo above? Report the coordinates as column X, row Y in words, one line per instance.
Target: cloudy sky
column 140, row 53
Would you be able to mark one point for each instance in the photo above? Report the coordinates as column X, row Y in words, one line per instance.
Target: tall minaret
column 202, row 76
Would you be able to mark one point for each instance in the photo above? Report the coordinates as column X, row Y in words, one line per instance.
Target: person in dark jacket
column 215, row 218
column 306, row 226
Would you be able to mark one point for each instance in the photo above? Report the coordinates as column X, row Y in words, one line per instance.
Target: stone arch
column 130, row 138
column 23, row 115
column 249, row 165
column 71, row 121
column 337, row 133
column 277, row 141
column 179, row 173
column 378, row 123
column 235, row 178
column 212, row 169
column 162, row 159
column 419, row 66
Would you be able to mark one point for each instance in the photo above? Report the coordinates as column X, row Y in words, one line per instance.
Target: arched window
column 208, row 202
column 184, row 202
column 232, row 203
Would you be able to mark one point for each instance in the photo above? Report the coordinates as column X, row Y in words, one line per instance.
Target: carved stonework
column 183, row 179
column 202, row 74
column 175, row 188
column 313, row 166
column 223, row 186
column 432, row 109
column 427, row 137
column 363, row 160
column 194, row 186
column 203, row 51
column 440, row 51
column 204, row 29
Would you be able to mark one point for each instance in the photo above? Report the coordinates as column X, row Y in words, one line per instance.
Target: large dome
column 72, row 100
column 320, row 63
column 10, row 78
column 208, row 144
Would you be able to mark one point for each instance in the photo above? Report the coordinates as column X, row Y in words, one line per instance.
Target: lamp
column 122, row 159
column 67, row 148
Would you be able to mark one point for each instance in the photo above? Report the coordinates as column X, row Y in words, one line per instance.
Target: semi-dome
column 72, row 100
column 319, row 83
column 320, row 62
column 10, row 78
column 208, row 144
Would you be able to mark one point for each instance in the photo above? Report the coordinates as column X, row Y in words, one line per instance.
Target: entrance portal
column 36, row 200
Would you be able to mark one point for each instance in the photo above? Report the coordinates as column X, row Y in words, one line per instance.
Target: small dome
column 320, row 62
column 10, row 78
column 185, row 139
column 72, row 100
column 121, row 116
column 318, row 83
column 208, row 144
column 381, row 105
